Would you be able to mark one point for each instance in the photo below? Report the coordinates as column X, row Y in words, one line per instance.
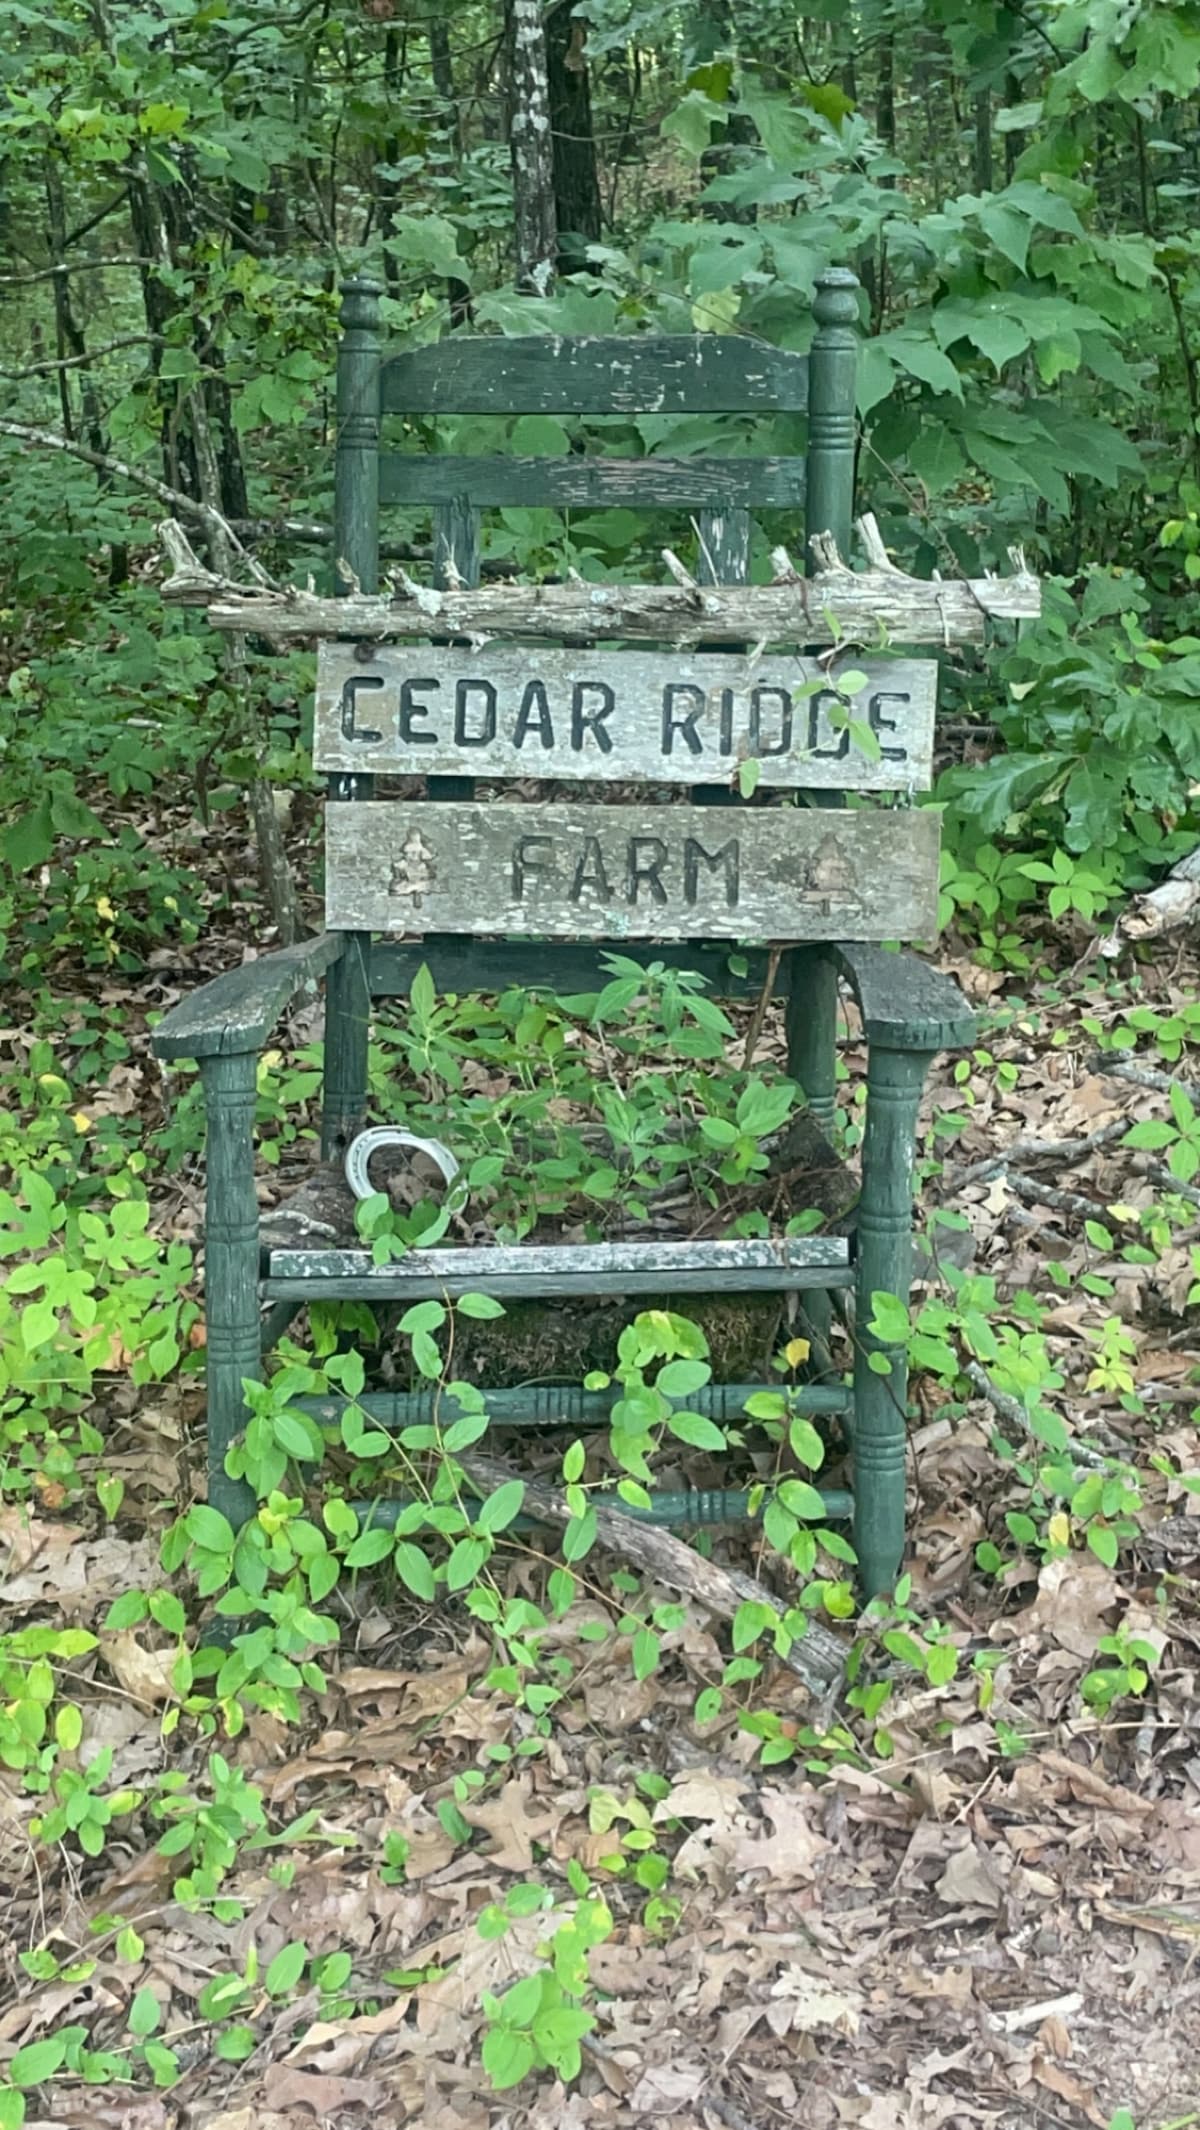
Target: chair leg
column 811, row 1026
column 234, row 1350
column 884, row 1246
column 810, row 1023
column 347, row 1027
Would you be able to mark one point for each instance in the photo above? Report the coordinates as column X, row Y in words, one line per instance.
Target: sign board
column 661, row 717
column 631, row 872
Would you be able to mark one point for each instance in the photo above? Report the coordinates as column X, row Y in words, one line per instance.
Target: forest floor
column 994, row 1927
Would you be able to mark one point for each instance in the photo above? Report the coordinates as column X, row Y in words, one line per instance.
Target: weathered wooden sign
column 631, row 872
column 665, row 717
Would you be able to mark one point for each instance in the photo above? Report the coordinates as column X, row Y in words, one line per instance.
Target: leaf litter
column 996, row 1925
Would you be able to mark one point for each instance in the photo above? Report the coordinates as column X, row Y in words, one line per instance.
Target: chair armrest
column 237, row 1011
column 905, row 1005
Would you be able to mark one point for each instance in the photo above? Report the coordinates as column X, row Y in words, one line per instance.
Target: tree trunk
column 576, row 181
column 387, row 189
column 69, row 335
column 885, row 104
column 441, row 66
column 458, row 294
column 534, row 225
column 983, row 141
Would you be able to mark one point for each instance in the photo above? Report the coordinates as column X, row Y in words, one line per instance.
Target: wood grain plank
column 592, row 483
column 836, row 606
column 531, row 1269
column 622, row 716
column 238, row 1010
column 651, row 373
column 631, row 872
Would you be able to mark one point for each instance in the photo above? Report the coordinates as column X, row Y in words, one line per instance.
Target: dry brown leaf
column 324, row 2094
column 514, row 1822
column 1058, row 2080
column 97, row 1569
column 954, row 1985
column 665, row 2089
column 971, row 1880
column 24, row 1539
column 449, row 2008
column 882, row 2112
column 701, row 1795
column 245, row 2119
column 1092, row 1788
column 1074, row 1595
column 812, row 2004
column 613, row 1705
column 791, row 1852
column 144, row 1673
column 334, row 2045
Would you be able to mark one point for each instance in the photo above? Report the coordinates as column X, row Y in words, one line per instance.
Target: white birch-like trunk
column 532, row 154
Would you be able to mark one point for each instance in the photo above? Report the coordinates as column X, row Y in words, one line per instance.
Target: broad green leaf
column 1057, row 355
column 30, row 840
column 423, row 1316
column 39, row 2061
column 987, row 324
column 498, row 1511
column 802, row 1500
column 721, row 265
column 466, row 1559
column 1009, row 231
column 919, row 356
column 691, row 124
column 1103, row 1542
column 876, row 375
column 539, row 436
column 889, row 1319
column 371, row 1546
column 144, row 2014
column 678, row 1379
column 1151, row 1134
column 695, row 1429
column 414, row 1570
column 295, row 1434
column 286, row 1969
column 506, row 2056
column 207, row 1527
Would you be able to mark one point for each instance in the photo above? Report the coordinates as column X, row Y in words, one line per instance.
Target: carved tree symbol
column 830, row 876
column 413, row 873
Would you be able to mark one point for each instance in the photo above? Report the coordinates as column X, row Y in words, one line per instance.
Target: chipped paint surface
column 563, row 871
column 669, row 717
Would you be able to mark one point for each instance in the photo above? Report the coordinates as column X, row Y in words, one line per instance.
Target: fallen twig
column 1174, row 902
column 1065, row 1150
column 819, row 1659
column 1157, row 1172
column 1142, row 1076
column 1011, row 1409
column 118, row 469
column 759, row 1014
column 1047, row 1194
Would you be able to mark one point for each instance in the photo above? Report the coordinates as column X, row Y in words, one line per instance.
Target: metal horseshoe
column 360, row 1150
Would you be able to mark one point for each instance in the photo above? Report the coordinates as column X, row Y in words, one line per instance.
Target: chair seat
column 527, row 1270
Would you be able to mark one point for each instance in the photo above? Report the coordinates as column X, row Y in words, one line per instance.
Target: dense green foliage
column 1014, row 188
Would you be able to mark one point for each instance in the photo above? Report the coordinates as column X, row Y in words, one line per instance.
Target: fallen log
column 819, row 1659
column 837, row 605
column 1175, row 902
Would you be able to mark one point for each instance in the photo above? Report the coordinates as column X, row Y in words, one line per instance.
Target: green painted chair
column 909, row 1012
